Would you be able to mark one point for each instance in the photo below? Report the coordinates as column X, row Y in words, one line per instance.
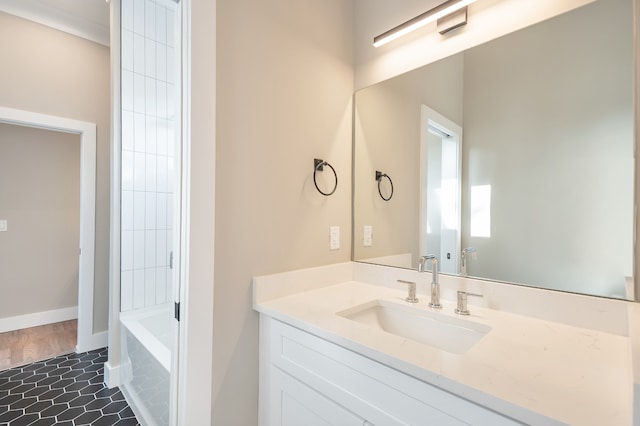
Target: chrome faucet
column 435, row 287
column 462, row 308
column 463, row 260
column 411, row 296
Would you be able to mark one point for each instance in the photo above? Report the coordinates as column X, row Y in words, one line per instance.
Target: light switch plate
column 3, row 225
column 368, row 236
column 334, row 238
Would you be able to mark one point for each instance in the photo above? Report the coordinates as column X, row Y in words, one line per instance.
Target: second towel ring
column 318, row 166
column 379, row 176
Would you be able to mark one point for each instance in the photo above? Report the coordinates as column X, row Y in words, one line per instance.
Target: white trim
column 181, row 387
column 111, row 375
column 195, row 374
column 114, row 351
column 430, row 117
column 87, row 133
column 38, row 318
column 179, row 229
column 96, row 341
column 58, row 19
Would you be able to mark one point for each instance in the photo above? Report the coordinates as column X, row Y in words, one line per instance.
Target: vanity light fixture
column 438, row 12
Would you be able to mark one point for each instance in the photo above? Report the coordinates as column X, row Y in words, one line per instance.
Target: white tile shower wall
column 148, row 126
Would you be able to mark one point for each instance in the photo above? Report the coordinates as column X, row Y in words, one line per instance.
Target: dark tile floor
column 63, row 391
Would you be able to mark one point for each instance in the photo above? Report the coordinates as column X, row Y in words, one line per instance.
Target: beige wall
column 51, row 72
column 387, row 138
column 40, row 199
column 285, row 82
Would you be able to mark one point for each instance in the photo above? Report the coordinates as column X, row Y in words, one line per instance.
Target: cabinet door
column 377, row 392
column 295, row 404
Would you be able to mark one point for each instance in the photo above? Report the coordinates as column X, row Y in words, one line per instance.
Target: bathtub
column 147, row 339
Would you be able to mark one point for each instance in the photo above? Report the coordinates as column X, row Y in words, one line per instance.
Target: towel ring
column 379, row 176
column 318, row 166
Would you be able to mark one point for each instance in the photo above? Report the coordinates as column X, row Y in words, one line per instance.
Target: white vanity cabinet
column 292, row 403
column 307, row 380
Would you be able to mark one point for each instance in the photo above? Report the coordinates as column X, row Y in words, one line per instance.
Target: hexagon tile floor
column 63, row 391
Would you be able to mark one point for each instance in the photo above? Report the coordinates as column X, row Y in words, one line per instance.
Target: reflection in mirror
column 440, row 185
column 539, row 188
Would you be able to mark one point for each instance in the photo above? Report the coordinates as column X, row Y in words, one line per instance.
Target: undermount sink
column 416, row 323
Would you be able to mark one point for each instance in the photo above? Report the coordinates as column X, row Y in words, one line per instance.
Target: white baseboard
column 111, row 375
column 97, row 341
column 38, row 318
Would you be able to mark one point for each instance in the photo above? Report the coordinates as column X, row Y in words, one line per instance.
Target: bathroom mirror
column 539, row 185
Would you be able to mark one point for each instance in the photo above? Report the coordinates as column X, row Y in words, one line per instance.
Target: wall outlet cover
column 368, row 236
column 3, row 225
column 334, row 238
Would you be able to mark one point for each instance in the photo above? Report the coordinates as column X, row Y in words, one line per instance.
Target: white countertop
column 535, row 371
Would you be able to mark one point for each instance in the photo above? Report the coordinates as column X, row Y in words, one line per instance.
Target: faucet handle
column 411, row 296
column 462, row 309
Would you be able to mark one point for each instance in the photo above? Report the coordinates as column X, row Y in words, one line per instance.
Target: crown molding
column 58, row 18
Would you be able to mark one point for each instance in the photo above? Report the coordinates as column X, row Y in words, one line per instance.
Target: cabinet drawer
column 379, row 394
column 295, row 404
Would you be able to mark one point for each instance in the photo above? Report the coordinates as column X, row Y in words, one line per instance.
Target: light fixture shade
column 421, row 20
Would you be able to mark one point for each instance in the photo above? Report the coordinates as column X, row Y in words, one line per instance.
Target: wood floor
column 25, row 346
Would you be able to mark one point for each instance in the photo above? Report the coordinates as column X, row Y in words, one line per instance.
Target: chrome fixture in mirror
column 464, row 258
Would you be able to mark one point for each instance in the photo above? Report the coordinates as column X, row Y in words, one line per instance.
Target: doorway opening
column 86, row 339
column 440, row 189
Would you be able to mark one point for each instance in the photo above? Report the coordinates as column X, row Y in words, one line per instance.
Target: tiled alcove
column 148, row 143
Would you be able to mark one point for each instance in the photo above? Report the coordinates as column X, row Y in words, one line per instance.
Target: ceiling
column 83, row 18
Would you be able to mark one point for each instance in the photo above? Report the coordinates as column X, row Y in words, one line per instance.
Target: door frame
column 87, row 340
column 429, row 117
column 194, row 377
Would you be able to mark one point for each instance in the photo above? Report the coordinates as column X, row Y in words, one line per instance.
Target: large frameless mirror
column 511, row 161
